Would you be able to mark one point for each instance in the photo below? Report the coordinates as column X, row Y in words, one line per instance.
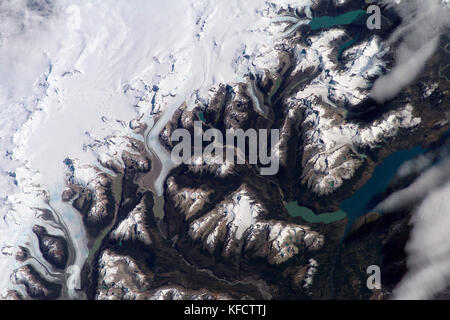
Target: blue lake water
column 362, row 200
column 347, row 45
column 307, row 214
column 360, row 203
column 351, row 17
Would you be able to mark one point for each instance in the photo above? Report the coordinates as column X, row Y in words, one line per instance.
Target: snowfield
column 75, row 74
column 86, row 87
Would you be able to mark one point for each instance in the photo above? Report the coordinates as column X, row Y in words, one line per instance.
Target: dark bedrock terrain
column 373, row 240
column 376, row 239
column 173, row 259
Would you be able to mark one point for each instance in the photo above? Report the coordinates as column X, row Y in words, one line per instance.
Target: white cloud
column 428, row 249
column 64, row 67
column 419, row 33
column 424, row 185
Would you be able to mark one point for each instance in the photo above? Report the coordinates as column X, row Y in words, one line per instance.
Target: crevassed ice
column 72, row 69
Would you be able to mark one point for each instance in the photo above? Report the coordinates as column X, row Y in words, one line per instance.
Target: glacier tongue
column 78, row 72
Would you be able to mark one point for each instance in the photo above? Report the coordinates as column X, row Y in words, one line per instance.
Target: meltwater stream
column 82, row 67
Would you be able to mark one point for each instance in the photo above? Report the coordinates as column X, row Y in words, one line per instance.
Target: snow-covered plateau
column 90, row 92
column 76, row 75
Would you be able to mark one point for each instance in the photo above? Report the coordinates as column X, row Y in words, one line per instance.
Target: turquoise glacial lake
column 360, row 203
column 351, row 17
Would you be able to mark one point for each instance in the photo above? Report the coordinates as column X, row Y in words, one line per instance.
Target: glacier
column 75, row 74
column 88, row 88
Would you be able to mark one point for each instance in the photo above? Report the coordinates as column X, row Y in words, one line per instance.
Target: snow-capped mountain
column 80, row 73
column 92, row 205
